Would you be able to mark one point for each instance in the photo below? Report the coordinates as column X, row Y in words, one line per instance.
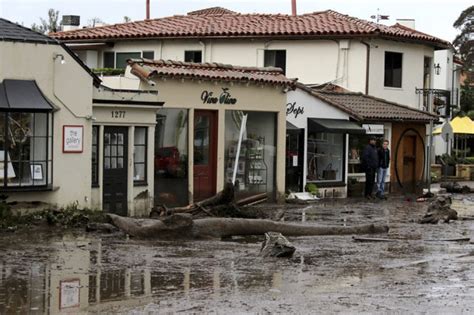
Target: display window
column 171, row 157
column 325, row 157
column 255, row 171
column 25, row 149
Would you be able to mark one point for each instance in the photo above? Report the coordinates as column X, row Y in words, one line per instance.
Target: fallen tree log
column 223, row 204
column 184, row 226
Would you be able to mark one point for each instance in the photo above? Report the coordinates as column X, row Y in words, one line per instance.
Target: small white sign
column 36, row 171
column 295, row 160
column 10, row 170
column 373, row 129
column 73, row 139
column 447, row 132
column 69, row 294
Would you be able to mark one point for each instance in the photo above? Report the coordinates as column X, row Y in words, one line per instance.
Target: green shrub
column 108, row 71
column 312, row 188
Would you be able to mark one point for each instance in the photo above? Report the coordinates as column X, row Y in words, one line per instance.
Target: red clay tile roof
column 371, row 108
column 148, row 69
column 325, row 24
column 212, row 11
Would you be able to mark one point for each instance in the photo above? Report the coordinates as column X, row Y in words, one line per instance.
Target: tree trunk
column 183, row 226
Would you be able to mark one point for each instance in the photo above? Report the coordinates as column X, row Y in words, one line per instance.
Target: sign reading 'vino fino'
column 208, row 97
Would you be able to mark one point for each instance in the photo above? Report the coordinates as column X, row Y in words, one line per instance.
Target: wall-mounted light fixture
column 437, row 68
column 61, row 56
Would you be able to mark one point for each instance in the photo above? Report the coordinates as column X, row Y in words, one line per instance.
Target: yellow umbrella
column 460, row 125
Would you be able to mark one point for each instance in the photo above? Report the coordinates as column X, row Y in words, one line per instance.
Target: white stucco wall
column 342, row 62
column 412, row 71
column 69, row 87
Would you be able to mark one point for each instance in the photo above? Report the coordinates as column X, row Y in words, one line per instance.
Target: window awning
column 290, row 126
column 23, row 95
column 334, row 125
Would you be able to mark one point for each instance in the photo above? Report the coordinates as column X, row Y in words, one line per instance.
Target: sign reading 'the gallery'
column 208, row 97
column 73, row 139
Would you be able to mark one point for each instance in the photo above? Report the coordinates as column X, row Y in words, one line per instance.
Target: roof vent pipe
column 147, row 9
column 293, row 7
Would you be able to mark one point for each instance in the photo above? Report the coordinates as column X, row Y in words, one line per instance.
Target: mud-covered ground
column 77, row 272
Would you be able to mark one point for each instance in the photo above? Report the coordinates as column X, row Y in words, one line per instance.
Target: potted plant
column 449, row 165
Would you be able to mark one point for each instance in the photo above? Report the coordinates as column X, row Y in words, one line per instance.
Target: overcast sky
column 432, row 16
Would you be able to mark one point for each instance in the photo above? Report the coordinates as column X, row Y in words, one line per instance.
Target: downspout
column 367, row 67
column 203, row 45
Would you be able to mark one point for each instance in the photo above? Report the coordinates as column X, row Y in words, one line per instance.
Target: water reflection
column 77, row 278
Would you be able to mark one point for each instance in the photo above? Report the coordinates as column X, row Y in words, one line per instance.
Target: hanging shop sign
column 292, row 109
column 224, row 98
column 73, row 137
column 373, row 129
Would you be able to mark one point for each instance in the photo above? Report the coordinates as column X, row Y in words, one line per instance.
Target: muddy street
column 43, row 271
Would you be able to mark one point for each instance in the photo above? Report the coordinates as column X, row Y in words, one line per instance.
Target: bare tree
column 126, row 19
column 95, row 21
column 49, row 25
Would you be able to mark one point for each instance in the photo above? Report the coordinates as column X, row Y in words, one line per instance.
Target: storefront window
column 139, row 155
column 325, row 157
column 357, row 143
column 256, row 162
column 171, row 157
column 25, row 149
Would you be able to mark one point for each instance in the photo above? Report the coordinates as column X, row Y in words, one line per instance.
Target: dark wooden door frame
column 115, row 180
column 213, row 140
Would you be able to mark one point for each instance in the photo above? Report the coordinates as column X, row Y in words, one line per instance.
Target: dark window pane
column 201, row 141
column 121, row 58
column 149, row 54
column 275, row 58
column 193, row 56
column 393, row 69
column 139, row 153
column 109, row 59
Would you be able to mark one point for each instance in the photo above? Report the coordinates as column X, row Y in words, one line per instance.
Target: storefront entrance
column 205, row 152
column 115, row 170
column 294, row 158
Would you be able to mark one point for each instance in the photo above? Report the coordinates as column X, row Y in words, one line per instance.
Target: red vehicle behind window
column 167, row 161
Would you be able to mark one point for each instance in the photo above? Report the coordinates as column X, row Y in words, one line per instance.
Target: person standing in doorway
column 370, row 163
column 384, row 162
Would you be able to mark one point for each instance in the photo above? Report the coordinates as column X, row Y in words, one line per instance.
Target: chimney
column 407, row 22
column 293, row 7
column 147, row 9
column 71, row 22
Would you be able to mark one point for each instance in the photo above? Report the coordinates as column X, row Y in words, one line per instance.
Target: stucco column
column 280, row 156
column 191, row 154
column 131, row 142
column 220, row 174
column 150, row 168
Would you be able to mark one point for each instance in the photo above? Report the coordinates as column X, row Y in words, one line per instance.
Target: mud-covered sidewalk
column 78, row 272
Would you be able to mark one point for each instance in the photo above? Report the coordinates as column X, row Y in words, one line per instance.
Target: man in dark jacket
column 384, row 162
column 370, row 163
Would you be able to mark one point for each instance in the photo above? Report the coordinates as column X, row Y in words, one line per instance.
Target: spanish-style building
column 317, row 48
column 327, row 151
